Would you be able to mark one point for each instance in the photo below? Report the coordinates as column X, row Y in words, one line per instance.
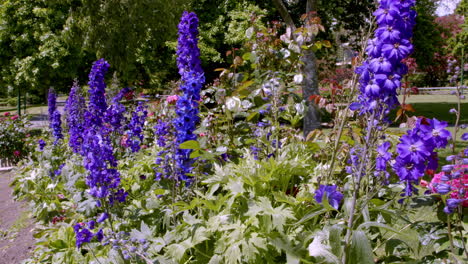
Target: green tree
column 33, row 54
column 428, row 41
column 131, row 35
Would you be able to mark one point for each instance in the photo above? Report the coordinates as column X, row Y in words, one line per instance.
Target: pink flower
column 7, row 114
column 202, row 134
column 457, row 185
column 123, row 141
column 14, row 117
column 17, row 153
column 172, row 99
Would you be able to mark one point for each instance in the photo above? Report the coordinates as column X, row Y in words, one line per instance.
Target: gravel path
column 16, row 240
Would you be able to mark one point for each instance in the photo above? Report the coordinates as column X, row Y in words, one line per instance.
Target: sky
column 446, row 7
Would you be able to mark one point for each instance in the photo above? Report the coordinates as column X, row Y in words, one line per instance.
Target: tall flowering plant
column 55, row 121
column 97, row 150
column 380, row 78
column 192, row 80
column 75, row 108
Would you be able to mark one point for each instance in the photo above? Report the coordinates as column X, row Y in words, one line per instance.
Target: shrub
column 13, row 137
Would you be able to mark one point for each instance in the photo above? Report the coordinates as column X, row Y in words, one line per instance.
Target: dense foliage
column 221, row 173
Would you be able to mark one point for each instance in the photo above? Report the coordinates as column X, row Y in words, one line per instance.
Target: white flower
column 299, row 108
column 246, row 104
column 298, row 78
column 286, row 53
column 234, row 104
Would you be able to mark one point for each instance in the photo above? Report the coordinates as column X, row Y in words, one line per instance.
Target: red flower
column 17, row 153
column 7, row 114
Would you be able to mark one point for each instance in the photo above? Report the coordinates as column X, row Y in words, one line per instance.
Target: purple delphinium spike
column 75, row 108
column 114, row 114
column 192, row 80
column 51, row 103
column 135, row 127
column 97, row 99
column 55, row 121
column 382, row 72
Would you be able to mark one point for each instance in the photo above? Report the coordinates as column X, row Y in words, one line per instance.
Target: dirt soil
column 16, row 237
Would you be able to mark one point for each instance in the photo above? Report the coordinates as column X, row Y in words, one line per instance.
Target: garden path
column 16, row 240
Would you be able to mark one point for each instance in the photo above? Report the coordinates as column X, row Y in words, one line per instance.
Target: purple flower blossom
column 42, row 144
column 83, row 235
column 415, row 152
column 334, row 197
column 103, row 217
column 383, row 157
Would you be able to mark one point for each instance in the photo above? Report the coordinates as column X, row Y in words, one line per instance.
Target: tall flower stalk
column 75, row 108
column 55, row 121
column 192, row 80
column 380, row 78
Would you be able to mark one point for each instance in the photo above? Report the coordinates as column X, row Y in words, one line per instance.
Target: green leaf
column 159, row 191
column 315, row 212
column 59, row 244
column 377, row 224
column 361, row 250
column 191, row 144
column 334, row 237
column 246, row 56
column 195, row 154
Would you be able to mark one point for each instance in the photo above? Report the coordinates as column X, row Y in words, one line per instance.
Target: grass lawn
column 436, row 106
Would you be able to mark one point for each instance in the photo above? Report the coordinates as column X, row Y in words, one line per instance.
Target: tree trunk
column 308, row 70
column 310, row 85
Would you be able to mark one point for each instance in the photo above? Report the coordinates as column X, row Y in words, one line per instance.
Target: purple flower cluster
column 382, row 159
column 99, row 160
column 55, row 121
column 51, row 103
column 75, row 109
column 84, row 235
column 42, row 144
column 96, row 149
column 135, row 127
column 188, row 53
column 97, row 100
column 381, row 73
column 192, row 80
column 333, row 196
column 416, row 151
column 162, row 129
column 115, row 113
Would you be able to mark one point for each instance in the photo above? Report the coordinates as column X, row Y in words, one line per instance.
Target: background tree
column 33, row 55
column 428, row 43
column 131, row 35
